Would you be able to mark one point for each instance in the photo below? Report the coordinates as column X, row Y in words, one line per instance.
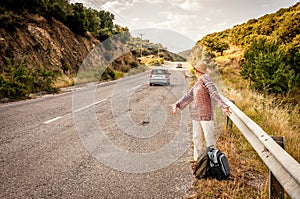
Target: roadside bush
column 146, row 52
column 108, row 74
column 125, row 68
column 139, row 69
column 11, row 89
column 44, row 80
column 134, row 64
column 17, row 81
column 118, row 74
column 265, row 67
column 154, row 62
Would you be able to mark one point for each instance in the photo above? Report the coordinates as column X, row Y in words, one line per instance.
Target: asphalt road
column 114, row 140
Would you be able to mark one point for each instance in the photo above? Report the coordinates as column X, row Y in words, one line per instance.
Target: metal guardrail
column 284, row 167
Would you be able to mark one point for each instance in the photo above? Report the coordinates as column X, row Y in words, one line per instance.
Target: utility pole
column 141, row 34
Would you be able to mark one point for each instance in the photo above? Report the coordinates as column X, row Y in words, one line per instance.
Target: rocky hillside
column 42, row 41
column 53, row 35
column 48, row 44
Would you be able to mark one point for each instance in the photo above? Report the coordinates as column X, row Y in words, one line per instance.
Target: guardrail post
column 276, row 191
column 228, row 120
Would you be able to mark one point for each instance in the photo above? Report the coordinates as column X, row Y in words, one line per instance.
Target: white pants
column 200, row 128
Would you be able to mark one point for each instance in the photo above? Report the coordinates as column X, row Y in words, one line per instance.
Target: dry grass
column 275, row 116
column 249, row 175
column 151, row 60
column 139, row 69
column 89, row 76
column 64, row 81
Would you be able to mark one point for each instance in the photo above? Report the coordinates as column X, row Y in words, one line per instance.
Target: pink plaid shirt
column 202, row 93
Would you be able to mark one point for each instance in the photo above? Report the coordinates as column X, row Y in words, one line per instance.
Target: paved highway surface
column 114, row 140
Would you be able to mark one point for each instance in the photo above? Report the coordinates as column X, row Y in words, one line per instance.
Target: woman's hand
column 174, row 108
column 226, row 111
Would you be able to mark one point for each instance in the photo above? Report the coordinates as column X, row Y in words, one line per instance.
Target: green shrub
column 265, row 67
column 17, row 81
column 154, row 62
column 118, row 74
column 44, row 80
column 125, row 68
column 134, row 64
column 108, row 74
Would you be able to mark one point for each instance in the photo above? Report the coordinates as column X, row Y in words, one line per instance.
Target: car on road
column 179, row 65
column 160, row 76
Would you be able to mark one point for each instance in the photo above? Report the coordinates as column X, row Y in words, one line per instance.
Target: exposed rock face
column 47, row 44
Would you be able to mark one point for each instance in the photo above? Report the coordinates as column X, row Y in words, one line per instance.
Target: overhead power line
column 100, row 5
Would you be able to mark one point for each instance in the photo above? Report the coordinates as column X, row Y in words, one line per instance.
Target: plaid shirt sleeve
column 213, row 92
column 186, row 99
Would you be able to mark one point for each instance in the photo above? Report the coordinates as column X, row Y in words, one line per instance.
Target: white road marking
column 77, row 110
column 88, row 106
column 134, row 88
column 52, row 120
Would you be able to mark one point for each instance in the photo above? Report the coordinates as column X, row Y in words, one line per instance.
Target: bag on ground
column 201, row 166
column 218, row 164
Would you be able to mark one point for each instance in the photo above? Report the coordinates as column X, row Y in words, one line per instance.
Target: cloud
column 190, row 5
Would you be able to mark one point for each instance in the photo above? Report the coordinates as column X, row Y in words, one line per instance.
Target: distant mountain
column 185, row 53
column 149, row 48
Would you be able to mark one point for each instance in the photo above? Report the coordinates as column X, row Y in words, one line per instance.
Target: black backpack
column 218, row 164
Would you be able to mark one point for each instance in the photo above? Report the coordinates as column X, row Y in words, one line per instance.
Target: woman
column 202, row 93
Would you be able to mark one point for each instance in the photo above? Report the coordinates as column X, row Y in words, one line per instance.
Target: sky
column 179, row 24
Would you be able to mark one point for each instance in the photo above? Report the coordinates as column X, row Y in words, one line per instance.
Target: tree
column 106, row 20
column 214, row 44
column 77, row 21
column 94, row 21
column 221, row 46
column 264, row 65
